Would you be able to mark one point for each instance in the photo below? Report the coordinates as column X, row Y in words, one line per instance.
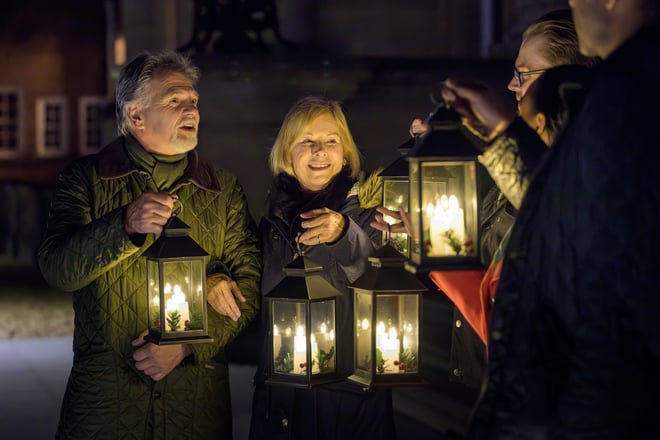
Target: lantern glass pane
column 289, row 337
column 395, row 195
column 397, row 331
column 363, row 315
column 448, row 214
column 323, row 337
column 181, row 285
column 153, row 284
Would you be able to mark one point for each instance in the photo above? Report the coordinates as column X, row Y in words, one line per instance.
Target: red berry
column 396, row 362
column 302, row 365
column 402, row 366
column 186, row 323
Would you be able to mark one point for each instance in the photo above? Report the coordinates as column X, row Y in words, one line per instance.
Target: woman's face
column 317, row 154
column 529, row 58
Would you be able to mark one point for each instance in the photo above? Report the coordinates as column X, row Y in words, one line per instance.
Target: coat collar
column 113, row 163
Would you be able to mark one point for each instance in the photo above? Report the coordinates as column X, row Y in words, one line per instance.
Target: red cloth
column 472, row 292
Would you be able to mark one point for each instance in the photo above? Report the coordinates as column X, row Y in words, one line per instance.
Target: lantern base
column 305, row 384
column 367, row 384
column 425, row 268
column 157, row 339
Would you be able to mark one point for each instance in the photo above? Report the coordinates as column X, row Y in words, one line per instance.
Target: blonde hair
column 562, row 45
column 297, row 120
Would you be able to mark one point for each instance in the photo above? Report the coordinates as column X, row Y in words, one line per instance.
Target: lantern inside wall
column 176, row 287
column 388, row 313
column 446, row 183
column 302, row 344
column 395, row 194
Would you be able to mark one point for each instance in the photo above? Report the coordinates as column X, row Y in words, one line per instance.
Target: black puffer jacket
column 574, row 348
column 333, row 411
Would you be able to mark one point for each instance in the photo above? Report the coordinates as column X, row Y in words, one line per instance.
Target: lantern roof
column 398, row 168
column 387, row 274
column 303, row 281
column 447, row 137
column 174, row 242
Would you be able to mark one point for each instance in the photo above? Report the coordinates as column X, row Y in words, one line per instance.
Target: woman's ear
column 541, row 123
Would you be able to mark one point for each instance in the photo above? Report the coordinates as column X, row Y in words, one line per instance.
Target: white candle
column 178, row 303
column 445, row 216
column 277, row 341
column 390, row 350
column 299, row 351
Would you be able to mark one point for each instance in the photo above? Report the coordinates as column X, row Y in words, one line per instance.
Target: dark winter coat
column 574, row 349
column 337, row 411
column 467, row 358
column 87, row 251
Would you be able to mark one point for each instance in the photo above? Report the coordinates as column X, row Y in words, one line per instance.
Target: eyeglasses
column 520, row 76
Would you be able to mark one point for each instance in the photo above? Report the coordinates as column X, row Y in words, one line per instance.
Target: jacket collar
column 113, row 163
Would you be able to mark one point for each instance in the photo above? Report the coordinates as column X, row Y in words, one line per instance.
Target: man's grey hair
column 134, row 77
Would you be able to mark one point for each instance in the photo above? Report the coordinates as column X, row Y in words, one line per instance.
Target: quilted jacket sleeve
column 78, row 248
column 512, row 158
column 241, row 256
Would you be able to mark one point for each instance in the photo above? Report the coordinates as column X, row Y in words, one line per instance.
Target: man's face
column 591, row 25
column 168, row 121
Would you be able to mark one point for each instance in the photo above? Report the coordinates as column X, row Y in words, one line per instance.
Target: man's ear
column 135, row 116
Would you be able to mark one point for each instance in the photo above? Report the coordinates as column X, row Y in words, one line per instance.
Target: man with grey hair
column 106, row 211
column 574, row 339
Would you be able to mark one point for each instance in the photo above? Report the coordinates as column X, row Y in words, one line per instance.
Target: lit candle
column 445, row 216
column 390, row 349
column 277, row 341
column 299, row 351
column 178, row 303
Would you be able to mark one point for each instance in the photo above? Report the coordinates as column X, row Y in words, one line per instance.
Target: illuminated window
column 51, row 127
column 11, row 104
column 90, row 123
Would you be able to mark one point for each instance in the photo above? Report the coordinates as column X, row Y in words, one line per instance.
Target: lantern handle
column 177, row 207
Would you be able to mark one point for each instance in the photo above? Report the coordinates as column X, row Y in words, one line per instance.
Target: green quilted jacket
column 86, row 251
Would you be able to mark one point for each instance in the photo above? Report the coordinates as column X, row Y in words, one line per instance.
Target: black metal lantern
column 446, row 182
column 176, row 287
column 395, row 194
column 302, row 343
column 388, row 314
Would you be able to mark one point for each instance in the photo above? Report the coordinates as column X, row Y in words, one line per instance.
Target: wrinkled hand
column 148, row 213
column 222, row 295
column 403, row 226
column 322, row 225
column 483, row 112
column 156, row 361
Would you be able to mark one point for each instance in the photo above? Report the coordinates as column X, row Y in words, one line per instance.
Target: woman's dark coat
column 342, row 410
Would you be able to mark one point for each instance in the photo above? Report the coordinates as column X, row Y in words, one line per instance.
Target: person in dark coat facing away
column 574, row 343
column 321, row 205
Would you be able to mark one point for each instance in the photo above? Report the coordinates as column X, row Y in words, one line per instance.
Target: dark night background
column 380, row 58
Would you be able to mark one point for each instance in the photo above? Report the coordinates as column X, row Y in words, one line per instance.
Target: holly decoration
column 173, row 319
column 324, row 358
column 284, row 365
column 407, row 360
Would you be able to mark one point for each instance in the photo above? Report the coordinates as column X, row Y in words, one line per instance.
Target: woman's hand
column 403, row 226
column 321, row 225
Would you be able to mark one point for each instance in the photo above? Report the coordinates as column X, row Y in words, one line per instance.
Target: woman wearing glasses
column 548, row 42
